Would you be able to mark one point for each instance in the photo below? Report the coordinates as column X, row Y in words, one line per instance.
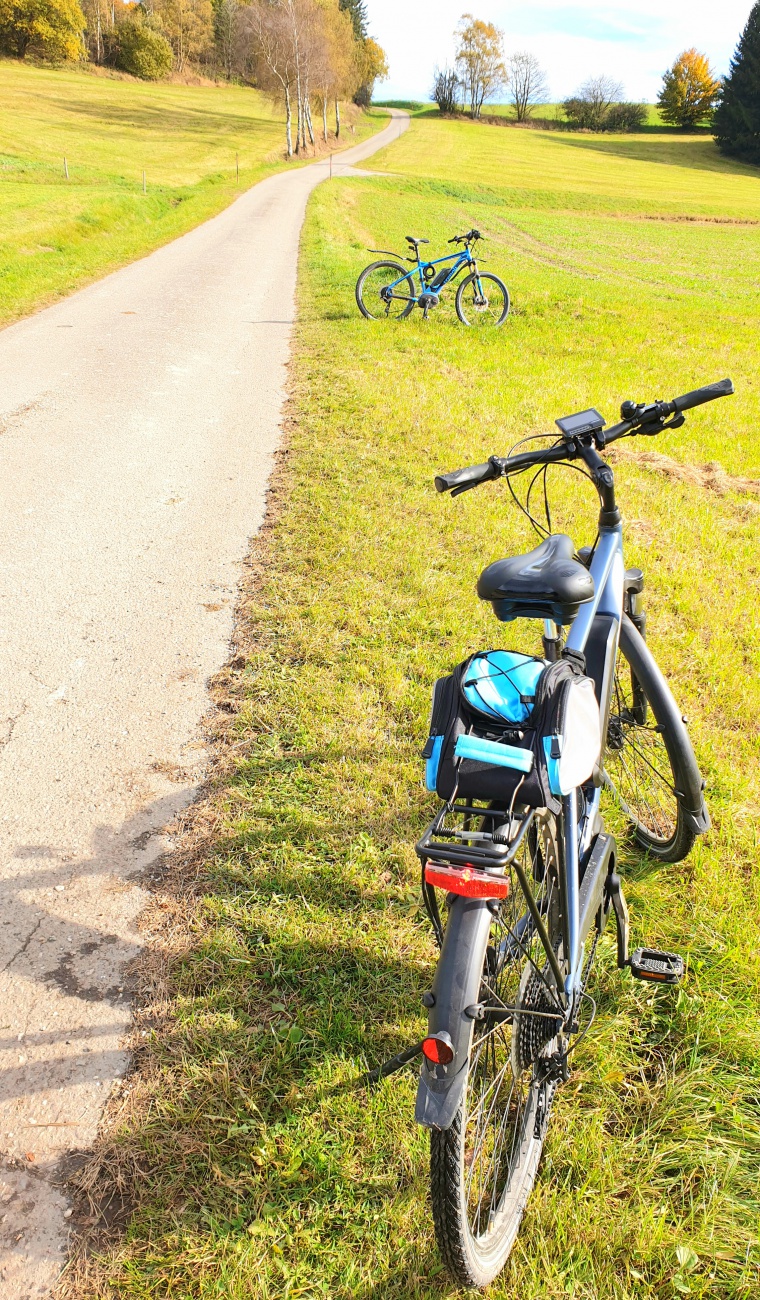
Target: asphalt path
column 138, row 419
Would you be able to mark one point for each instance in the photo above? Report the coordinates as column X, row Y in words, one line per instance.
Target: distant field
column 56, row 234
column 263, row 1170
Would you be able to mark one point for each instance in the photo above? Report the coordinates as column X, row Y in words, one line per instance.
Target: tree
column 225, row 31
column 737, row 119
column 528, row 83
column 588, row 108
column 480, row 61
column 51, row 29
column 336, row 65
column 188, row 26
column 689, row 90
column 373, row 66
column 446, row 89
column 142, row 50
column 357, row 12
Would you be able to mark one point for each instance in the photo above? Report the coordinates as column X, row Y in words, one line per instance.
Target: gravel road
column 137, row 424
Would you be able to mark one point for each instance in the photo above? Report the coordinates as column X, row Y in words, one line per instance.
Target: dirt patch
column 711, row 476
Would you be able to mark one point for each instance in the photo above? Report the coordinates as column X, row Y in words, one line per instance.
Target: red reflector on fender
column 467, row 881
column 438, row 1049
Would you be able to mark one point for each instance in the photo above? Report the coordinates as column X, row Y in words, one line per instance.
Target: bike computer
column 589, row 421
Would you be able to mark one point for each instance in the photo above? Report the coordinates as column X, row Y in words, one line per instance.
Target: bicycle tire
column 477, row 313
column 476, row 1245
column 370, row 305
column 645, row 764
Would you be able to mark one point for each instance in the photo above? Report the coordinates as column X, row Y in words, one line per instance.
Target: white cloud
column 635, row 43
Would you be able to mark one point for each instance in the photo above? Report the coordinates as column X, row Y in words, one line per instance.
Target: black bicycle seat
column 411, row 240
column 548, row 582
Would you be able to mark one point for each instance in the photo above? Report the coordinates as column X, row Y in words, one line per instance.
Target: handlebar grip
column 464, row 478
column 723, row 388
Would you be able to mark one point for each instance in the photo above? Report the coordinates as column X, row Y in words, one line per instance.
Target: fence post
column 66, row 169
column 145, row 188
column 330, row 164
column 237, row 170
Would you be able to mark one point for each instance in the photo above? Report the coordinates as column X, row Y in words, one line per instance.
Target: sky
column 633, row 42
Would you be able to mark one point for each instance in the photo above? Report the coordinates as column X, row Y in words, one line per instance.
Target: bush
column 446, row 89
column 585, row 114
column 142, row 51
column 626, row 117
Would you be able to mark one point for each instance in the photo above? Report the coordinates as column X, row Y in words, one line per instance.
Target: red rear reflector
column 438, row 1050
column 467, row 881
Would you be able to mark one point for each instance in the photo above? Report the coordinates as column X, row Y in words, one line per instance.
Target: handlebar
column 637, row 418
column 470, row 237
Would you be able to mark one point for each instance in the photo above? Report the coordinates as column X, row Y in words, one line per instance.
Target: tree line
column 691, row 94
column 306, row 53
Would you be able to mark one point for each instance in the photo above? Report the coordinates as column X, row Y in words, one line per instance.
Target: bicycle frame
column 461, row 260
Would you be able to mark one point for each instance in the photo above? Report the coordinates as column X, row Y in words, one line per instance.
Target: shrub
column 626, row 117
column 446, row 89
column 142, row 51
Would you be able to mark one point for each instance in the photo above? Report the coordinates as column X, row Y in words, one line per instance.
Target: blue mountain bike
column 385, row 289
column 521, row 748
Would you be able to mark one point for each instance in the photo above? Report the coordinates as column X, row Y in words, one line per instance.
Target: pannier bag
column 507, row 726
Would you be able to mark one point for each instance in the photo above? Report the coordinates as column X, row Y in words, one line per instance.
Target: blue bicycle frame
column 607, row 570
column 462, row 259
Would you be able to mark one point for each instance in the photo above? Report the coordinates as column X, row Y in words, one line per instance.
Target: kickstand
column 394, row 1064
column 617, row 899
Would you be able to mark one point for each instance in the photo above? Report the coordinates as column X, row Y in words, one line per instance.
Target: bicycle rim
column 483, row 1167
column 370, row 292
column 482, row 302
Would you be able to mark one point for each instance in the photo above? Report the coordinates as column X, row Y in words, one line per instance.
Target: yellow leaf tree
column 689, row 90
column 51, row 29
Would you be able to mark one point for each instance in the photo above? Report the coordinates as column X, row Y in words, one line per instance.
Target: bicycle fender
column 691, row 794
column 456, row 986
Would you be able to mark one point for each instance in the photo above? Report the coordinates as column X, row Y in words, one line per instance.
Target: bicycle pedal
column 658, row 967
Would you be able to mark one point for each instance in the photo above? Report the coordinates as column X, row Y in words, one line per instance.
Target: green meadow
column 251, row 1161
column 57, row 234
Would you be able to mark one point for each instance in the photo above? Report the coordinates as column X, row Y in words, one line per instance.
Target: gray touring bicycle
column 520, row 748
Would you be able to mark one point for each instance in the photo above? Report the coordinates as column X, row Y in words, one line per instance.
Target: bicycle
column 529, row 871
column 386, row 289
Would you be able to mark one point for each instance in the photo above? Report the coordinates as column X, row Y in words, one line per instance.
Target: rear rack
column 465, row 834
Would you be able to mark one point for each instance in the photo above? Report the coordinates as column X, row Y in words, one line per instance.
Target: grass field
column 256, row 1168
column 55, row 234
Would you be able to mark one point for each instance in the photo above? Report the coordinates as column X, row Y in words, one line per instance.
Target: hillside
column 57, row 234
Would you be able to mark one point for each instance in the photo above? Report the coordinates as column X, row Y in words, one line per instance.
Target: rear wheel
column 378, row 294
column 648, row 754
column 482, row 300
column 482, row 1169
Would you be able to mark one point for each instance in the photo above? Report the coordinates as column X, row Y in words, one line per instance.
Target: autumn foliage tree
column 689, row 90
column 737, row 120
column 49, row 29
column 480, row 61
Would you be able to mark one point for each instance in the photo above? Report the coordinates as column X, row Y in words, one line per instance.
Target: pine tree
column 358, row 11
column 737, row 120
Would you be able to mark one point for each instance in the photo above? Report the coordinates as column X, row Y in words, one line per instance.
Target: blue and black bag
column 507, row 726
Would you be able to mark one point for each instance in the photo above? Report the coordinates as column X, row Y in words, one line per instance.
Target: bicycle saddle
column 548, row 582
column 414, row 242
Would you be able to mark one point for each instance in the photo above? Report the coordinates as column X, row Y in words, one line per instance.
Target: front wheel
column 649, row 763
column 482, row 300
column 482, row 1168
column 385, row 289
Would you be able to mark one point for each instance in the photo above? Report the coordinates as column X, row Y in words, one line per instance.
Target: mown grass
column 56, row 234
column 263, row 1172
